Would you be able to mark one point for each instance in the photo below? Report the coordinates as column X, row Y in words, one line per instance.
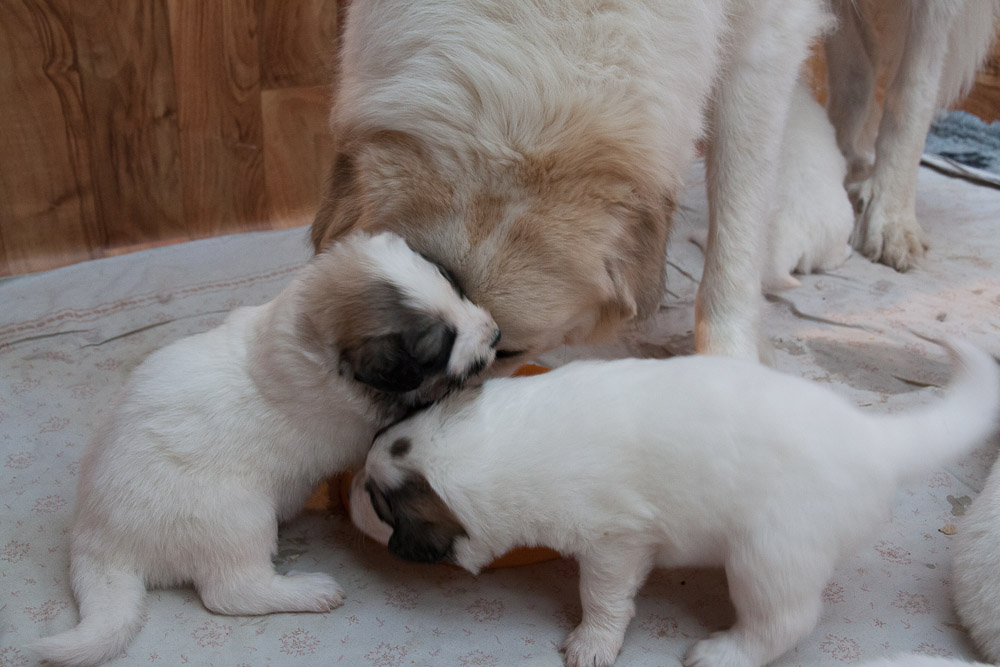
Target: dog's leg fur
column 777, row 601
column 887, row 229
column 610, row 576
column 851, row 50
column 746, row 119
column 240, row 579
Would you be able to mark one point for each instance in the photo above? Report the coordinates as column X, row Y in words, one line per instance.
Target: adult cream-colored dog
column 693, row 461
column 929, row 53
column 536, row 148
column 219, row 436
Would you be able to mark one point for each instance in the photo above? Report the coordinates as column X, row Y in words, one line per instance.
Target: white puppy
column 812, row 218
column 694, row 461
column 929, row 52
column 219, row 436
column 977, row 568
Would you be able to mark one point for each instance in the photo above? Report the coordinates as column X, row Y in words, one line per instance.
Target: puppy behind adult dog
column 930, row 52
column 977, row 568
column 537, row 149
column 693, row 461
column 810, row 225
column 219, row 436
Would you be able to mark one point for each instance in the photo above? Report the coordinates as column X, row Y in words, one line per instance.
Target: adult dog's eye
column 507, row 354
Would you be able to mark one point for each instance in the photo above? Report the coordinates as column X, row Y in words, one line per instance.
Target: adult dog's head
column 561, row 235
column 383, row 316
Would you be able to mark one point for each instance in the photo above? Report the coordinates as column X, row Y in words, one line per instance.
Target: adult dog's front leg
column 747, row 116
column 886, row 229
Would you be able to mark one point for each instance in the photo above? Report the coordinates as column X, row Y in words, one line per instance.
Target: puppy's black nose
column 496, row 337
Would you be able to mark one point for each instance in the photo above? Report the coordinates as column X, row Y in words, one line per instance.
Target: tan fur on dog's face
column 560, row 245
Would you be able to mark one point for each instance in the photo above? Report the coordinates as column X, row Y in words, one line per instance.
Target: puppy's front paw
column 720, row 650
column 319, row 592
column 589, row 647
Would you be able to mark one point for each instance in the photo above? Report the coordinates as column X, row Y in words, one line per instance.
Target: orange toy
column 323, row 498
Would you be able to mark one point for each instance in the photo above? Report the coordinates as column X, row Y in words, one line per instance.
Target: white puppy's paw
column 722, row 649
column 589, row 647
column 883, row 232
column 319, row 592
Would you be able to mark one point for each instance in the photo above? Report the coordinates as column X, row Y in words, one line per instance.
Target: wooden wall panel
column 298, row 41
column 217, row 75
column 47, row 212
column 126, row 124
column 123, row 50
column 297, row 150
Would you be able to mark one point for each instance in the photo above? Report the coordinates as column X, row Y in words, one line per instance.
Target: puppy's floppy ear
column 385, row 364
column 424, row 528
column 399, row 362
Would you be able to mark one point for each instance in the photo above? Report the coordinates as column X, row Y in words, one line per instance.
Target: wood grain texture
column 297, row 150
column 124, row 55
column 298, row 41
column 217, row 75
column 127, row 124
column 47, row 211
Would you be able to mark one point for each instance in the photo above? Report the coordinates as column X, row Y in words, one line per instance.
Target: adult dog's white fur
column 977, row 568
column 810, row 225
column 631, row 464
column 218, row 437
column 928, row 53
column 536, row 148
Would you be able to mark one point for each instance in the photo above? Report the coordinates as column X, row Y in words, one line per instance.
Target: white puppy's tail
column 110, row 616
column 916, row 442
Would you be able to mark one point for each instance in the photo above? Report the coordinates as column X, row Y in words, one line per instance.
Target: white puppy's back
column 977, row 568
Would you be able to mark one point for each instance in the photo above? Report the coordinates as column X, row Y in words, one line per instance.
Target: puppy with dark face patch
column 219, row 436
column 694, row 461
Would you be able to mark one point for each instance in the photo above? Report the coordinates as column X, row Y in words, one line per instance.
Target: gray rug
column 962, row 144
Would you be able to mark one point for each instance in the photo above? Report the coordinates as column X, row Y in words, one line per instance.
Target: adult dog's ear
column 342, row 204
column 637, row 268
column 385, row 364
column 424, row 528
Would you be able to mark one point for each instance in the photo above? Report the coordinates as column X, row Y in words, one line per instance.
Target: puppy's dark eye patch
column 507, row 354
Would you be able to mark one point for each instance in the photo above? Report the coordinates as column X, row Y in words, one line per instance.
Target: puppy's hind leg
column 610, row 575
column 235, row 575
column 778, row 598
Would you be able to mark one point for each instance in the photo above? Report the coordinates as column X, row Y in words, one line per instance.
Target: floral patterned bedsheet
column 68, row 339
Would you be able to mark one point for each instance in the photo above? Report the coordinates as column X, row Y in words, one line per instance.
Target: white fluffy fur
column 930, row 52
column 977, row 568
column 810, row 226
column 218, row 437
column 505, row 83
column 695, row 461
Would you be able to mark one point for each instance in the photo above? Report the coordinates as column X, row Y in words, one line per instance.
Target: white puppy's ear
column 399, row 362
column 424, row 529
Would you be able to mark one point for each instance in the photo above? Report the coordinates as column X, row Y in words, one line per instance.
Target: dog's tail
column 918, row 441
column 110, row 615
column 969, row 41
